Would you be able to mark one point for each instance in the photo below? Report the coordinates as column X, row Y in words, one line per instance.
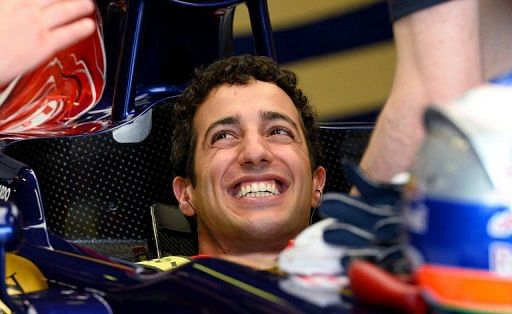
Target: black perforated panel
column 96, row 188
column 342, row 142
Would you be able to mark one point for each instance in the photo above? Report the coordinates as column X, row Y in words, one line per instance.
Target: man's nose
column 255, row 151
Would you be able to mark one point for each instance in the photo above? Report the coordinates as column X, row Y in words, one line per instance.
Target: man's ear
column 319, row 176
column 180, row 187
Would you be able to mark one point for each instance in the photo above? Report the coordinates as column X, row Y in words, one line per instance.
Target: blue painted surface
column 456, row 233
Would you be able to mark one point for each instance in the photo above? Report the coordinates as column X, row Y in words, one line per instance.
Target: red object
column 49, row 100
column 374, row 286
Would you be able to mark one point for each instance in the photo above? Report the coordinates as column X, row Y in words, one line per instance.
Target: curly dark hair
column 237, row 70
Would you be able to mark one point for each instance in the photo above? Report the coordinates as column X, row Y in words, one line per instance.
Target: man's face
column 254, row 185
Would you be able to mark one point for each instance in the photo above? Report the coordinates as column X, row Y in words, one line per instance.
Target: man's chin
column 270, row 231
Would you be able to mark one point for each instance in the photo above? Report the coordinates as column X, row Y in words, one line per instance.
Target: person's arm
column 32, row 30
column 438, row 58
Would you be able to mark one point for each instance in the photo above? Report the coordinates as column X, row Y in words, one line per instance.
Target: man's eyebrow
column 232, row 120
column 272, row 115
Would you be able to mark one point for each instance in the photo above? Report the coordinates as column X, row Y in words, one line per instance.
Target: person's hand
column 32, row 30
column 359, row 244
column 368, row 226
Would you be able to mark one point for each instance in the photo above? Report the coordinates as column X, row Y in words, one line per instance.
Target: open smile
column 258, row 189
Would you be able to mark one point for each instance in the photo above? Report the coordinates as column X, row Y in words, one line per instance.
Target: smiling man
column 247, row 157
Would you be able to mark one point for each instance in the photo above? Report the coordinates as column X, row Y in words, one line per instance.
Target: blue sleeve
column 401, row 8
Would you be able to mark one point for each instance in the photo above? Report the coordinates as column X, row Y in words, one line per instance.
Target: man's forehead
column 267, row 115
column 235, row 103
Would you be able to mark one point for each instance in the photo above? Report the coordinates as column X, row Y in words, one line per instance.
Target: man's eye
column 281, row 131
column 221, row 136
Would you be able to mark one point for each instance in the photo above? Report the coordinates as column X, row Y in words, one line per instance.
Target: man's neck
column 261, row 260
column 242, row 245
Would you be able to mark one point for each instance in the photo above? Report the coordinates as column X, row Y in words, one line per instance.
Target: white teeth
column 256, row 189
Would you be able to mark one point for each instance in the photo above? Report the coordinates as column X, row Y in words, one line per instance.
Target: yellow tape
column 166, row 263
